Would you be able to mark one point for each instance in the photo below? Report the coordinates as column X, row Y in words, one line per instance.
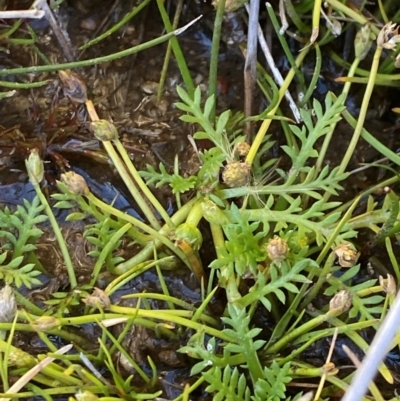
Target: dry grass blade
column 30, row 374
column 375, row 355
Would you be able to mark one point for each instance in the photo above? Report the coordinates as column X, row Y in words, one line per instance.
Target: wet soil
column 123, row 91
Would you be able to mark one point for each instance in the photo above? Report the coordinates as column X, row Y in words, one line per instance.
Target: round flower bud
column 213, row 214
column 103, row 130
column 98, row 299
column 236, row 174
column 86, row 396
column 74, row 86
column 242, row 149
column 8, row 304
column 45, row 323
column 346, row 254
column 75, row 183
column 20, row 359
column 277, row 249
column 190, row 234
column 363, row 42
column 34, row 167
column 388, row 284
column 340, row 303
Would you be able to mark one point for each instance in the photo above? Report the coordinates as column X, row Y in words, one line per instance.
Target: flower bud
column 213, row 214
column 277, row 249
column 86, row 396
column 98, row 299
column 236, row 174
column 346, row 254
column 34, row 167
column 20, row 359
column 8, row 304
column 242, row 149
column 363, row 42
column 388, row 36
column 103, row 130
column 75, row 183
column 340, row 303
column 388, row 284
column 45, row 323
column 74, row 86
column 190, row 234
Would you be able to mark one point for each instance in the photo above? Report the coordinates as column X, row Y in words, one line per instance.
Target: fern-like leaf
column 273, row 386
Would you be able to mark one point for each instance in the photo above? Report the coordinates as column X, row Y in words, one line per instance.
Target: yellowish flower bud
column 236, row 174
column 213, row 214
column 98, row 299
column 20, row 359
column 363, row 42
column 86, row 396
column 242, row 149
column 346, row 254
column 190, row 234
column 45, row 323
column 74, row 86
column 340, row 303
column 103, row 130
column 277, row 249
column 388, row 284
column 34, row 167
column 75, row 183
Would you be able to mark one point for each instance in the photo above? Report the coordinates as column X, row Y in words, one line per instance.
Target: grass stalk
column 59, row 236
column 213, row 71
column 179, row 57
column 363, row 112
column 258, row 140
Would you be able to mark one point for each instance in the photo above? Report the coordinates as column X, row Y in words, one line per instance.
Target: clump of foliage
column 280, row 244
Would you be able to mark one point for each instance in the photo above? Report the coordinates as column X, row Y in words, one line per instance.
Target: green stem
column 180, row 59
column 363, row 112
column 147, row 251
column 306, row 327
column 59, row 236
column 121, row 168
column 368, row 137
column 139, row 181
column 213, row 71
column 266, row 123
column 97, row 60
column 328, row 136
column 315, row 20
column 353, row 15
column 168, row 52
column 115, row 27
column 158, row 237
column 23, row 85
column 285, row 46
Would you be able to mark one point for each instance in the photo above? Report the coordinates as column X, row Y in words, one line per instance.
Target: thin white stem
column 275, row 72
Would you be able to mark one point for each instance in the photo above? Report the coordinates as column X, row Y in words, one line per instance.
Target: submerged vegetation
column 286, row 256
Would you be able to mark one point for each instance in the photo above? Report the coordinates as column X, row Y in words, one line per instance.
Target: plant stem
column 97, row 60
column 266, row 123
column 157, row 236
column 147, row 251
column 122, row 170
column 180, row 59
column 141, row 184
column 59, row 236
column 213, row 72
column 115, row 27
column 363, row 111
